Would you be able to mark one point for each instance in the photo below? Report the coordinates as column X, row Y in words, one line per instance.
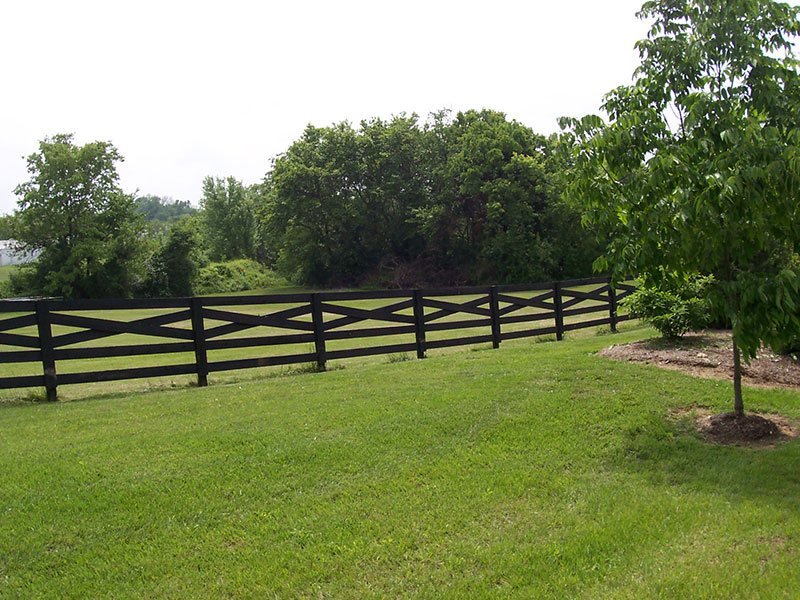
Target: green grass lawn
column 532, row 471
column 5, row 272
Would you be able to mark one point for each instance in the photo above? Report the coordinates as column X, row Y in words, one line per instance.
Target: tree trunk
column 738, row 405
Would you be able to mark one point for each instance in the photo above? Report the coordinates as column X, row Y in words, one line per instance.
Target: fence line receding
column 212, row 334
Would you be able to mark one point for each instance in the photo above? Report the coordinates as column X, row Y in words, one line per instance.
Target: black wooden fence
column 55, row 330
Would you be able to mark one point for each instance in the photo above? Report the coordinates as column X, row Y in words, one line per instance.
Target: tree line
column 462, row 198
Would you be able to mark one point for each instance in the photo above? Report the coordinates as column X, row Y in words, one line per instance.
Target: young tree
column 73, row 211
column 697, row 170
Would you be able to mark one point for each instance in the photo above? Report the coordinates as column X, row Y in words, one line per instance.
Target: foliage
column 73, row 211
column 163, row 209
column 340, row 199
column 235, row 276
column 469, row 198
column 229, row 219
column 162, row 212
column 698, row 168
column 174, row 266
column 6, row 228
column 6, row 290
column 489, row 196
column 672, row 310
column 267, row 245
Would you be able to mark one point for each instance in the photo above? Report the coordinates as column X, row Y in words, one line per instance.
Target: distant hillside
column 162, row 209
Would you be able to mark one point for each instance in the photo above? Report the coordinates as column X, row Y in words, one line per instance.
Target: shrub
column 235, row 276
column 173, row 267
column 673, row 310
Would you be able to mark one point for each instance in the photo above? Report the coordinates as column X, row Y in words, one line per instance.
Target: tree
column 229, row 217
column 161, row 212
column 697, row 170
column 340, row 199
column 73, row 211
column 173, row 267
column 471, row 198
column 490, row 196
column 5, row 227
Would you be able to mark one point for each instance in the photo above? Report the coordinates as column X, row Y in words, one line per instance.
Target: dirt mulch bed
column 751, row 430
column 710, row 354
column 755, row 431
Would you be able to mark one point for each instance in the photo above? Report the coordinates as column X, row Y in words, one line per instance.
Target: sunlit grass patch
column 534, row 470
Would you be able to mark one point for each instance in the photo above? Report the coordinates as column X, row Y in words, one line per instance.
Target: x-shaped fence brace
column 311, row 318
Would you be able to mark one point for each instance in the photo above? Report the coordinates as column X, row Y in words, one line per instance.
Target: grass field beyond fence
column 53, row 343
column 5, row 272
column 532, row 471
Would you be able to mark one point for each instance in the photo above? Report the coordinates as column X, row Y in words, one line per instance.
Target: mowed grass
column 5, row 272
column 532, row 471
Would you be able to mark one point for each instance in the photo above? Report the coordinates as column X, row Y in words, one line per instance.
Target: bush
column 173, row 267
column 673, row 310
column 235, row 276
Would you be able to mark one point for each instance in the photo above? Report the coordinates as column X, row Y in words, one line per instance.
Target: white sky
column 190, row 89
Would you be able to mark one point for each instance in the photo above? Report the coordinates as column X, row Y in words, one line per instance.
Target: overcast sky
column 190, row 89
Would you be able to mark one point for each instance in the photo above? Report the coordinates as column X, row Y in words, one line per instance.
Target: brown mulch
column 751, row 430
column 710, row 354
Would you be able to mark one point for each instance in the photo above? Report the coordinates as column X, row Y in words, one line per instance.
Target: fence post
column 494, row 308
column 198, row 329
column 46, row 345
column 559, row 311
column 612, row 306
column 419, row 323
column 319, row 331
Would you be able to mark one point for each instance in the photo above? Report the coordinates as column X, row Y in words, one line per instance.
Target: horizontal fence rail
column 196, row 330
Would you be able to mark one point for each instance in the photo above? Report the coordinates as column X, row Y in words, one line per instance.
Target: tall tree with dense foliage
column 314, row 205
column 341, row 199
column 469, row 198
column 697, row 170
column 490, row 195
column 229, row 216
column 73, row 211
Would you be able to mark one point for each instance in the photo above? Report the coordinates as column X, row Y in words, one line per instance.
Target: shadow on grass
column 674, row 454
column 38, row 396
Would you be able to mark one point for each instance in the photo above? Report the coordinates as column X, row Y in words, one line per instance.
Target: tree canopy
column 229, row 218
column 464, row 199
column 5, row 227
column 161, row 211
column 73, row 211
column 173, row 266
column 472, row 197
column 697, row 169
